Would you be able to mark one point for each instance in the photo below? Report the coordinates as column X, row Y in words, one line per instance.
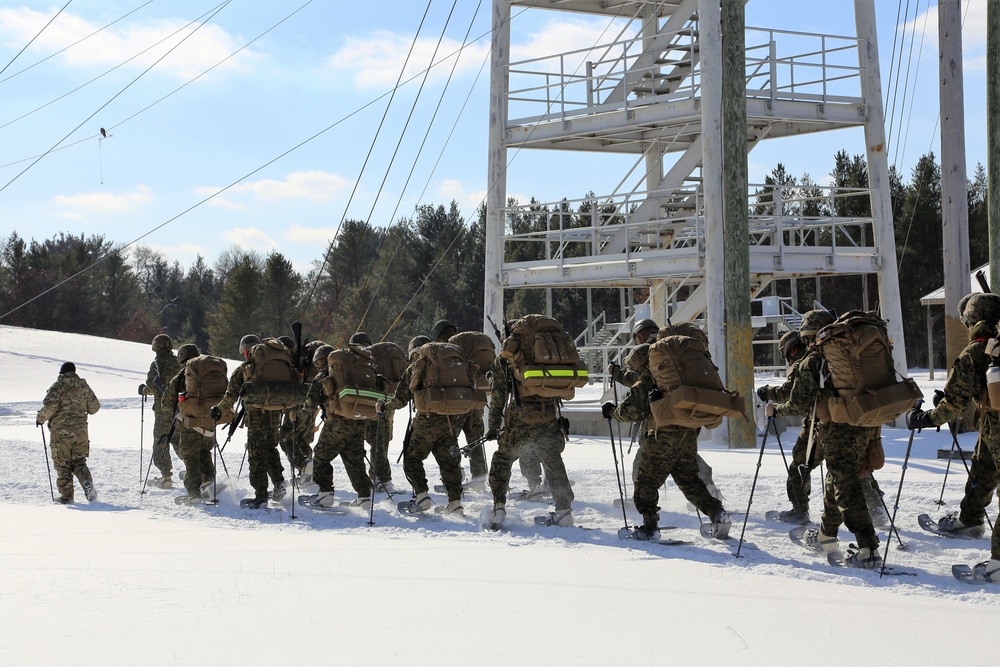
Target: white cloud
column 375, row 59
column 317, row 186
column 563, row 37
column 924, row 28
column 310, row 235
column 451, row 188
column 204, row 48
column 249, row 237
column 104, row 202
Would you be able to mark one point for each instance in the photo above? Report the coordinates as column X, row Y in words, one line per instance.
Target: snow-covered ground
column 140, row 580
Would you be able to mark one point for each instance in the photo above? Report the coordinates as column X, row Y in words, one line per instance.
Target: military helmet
column 981, row 308
column 643, row 325
column 812, row 322
column 415, row 344
column 361, row 338
column 187, row 352
column 247, row 342
column 690, row 330
column 963, row 303
column 440, row 327
column 320, row 355
column 790, row 345
column 162, row 342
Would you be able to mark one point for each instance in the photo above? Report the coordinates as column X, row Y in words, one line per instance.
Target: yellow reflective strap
column 556, row 373
column 375, row 395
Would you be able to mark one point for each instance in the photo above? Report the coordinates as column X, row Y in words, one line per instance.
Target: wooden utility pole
column 954, row 189
column 993, row 136
column 736, row 244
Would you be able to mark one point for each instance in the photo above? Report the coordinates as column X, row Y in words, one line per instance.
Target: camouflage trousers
column 70, row 449
column 798, row 486
column 378, row 434
column 161, row 448
column 195, row 450
column 295, row 442
column 345, row 438
column 262, row 449
column 671, row 453
column 545, row 442
column 437, row 435
column 474, row 428
column 983, row 483
column 845, row 449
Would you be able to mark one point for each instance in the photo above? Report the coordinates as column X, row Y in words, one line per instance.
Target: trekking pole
column 215, row 467
column 142, row 430
column 899, row 492
column 753, row 487
column 293, row 450
column 893, row 529
column 170, row 434
column 621, row 446
column 45, row 450
column 778, row 439
column 406, row 434
column 242, row 461
column 951, row 455
column 371, row 465
column 618, row 475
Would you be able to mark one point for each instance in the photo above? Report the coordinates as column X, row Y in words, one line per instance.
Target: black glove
column 607, row 409
column 762, row 393
column 654, row 395
column 215, row 413
column 142, row 389
column 491, row 435
column 917, row 419
column 938, row 395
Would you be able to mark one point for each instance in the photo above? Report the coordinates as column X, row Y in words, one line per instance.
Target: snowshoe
column 951, row 526
column 254, row 503
column 788, row 516
column 987, row 572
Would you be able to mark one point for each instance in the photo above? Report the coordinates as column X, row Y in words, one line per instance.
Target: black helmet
column 162, row 342
column 440, row 330
column 361, row 338
column 642, row 325
column 790, row 345
column 415, row 344
column 287, row 342
column 187, row 352
column 247, row 342
column 812, row 322
column 320, row 355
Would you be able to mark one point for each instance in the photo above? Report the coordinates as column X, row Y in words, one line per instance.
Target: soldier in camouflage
column 845, row 449
column 195, row 446
column 297, row 451
column 670, row 451
column 472, row 423
column 305, row 426
column 340, row 437
column 378, row 434
column 262, row 433
column 161, row 370
column 534, row 427
column 967, row 382
column 431, row 434
column 66, row 406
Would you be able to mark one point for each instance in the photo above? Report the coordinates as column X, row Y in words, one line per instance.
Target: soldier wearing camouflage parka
column 195, row 447
column 66, row 406
column 340, row 436
column 966, row 383
column 431, row 434
column 161, row 370
column 670, row 451
column 845, row 449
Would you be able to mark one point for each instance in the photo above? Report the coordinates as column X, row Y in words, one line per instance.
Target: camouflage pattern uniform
column 431, row 434
column 473, row 426
column 195, row 448
column 296, row 443
column 544, row 440
column 966, row 382
column 262, row 436
column 845, row 449
column 798, row 486
column 161, row 370
column 671, row 451
column 66, row 406
column 340, row 437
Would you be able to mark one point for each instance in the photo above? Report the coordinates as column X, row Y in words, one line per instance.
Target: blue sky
column 313, row 75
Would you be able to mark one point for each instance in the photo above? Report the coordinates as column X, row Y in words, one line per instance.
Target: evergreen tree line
column 396, row 281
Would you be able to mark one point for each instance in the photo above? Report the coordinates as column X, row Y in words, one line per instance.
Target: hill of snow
column 137, row 579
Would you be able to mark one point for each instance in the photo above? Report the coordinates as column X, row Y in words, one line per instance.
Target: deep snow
column 139, row 580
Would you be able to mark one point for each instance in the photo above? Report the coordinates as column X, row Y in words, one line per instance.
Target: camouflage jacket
column 967, row 377
column 403, row 394
column 784, row 391
column 316, row 398
column 500, row 393
column 163, row 368
column 68, row 402
column 805, row 389
column 235, row 387
column 176, row 386
column 634, row 405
